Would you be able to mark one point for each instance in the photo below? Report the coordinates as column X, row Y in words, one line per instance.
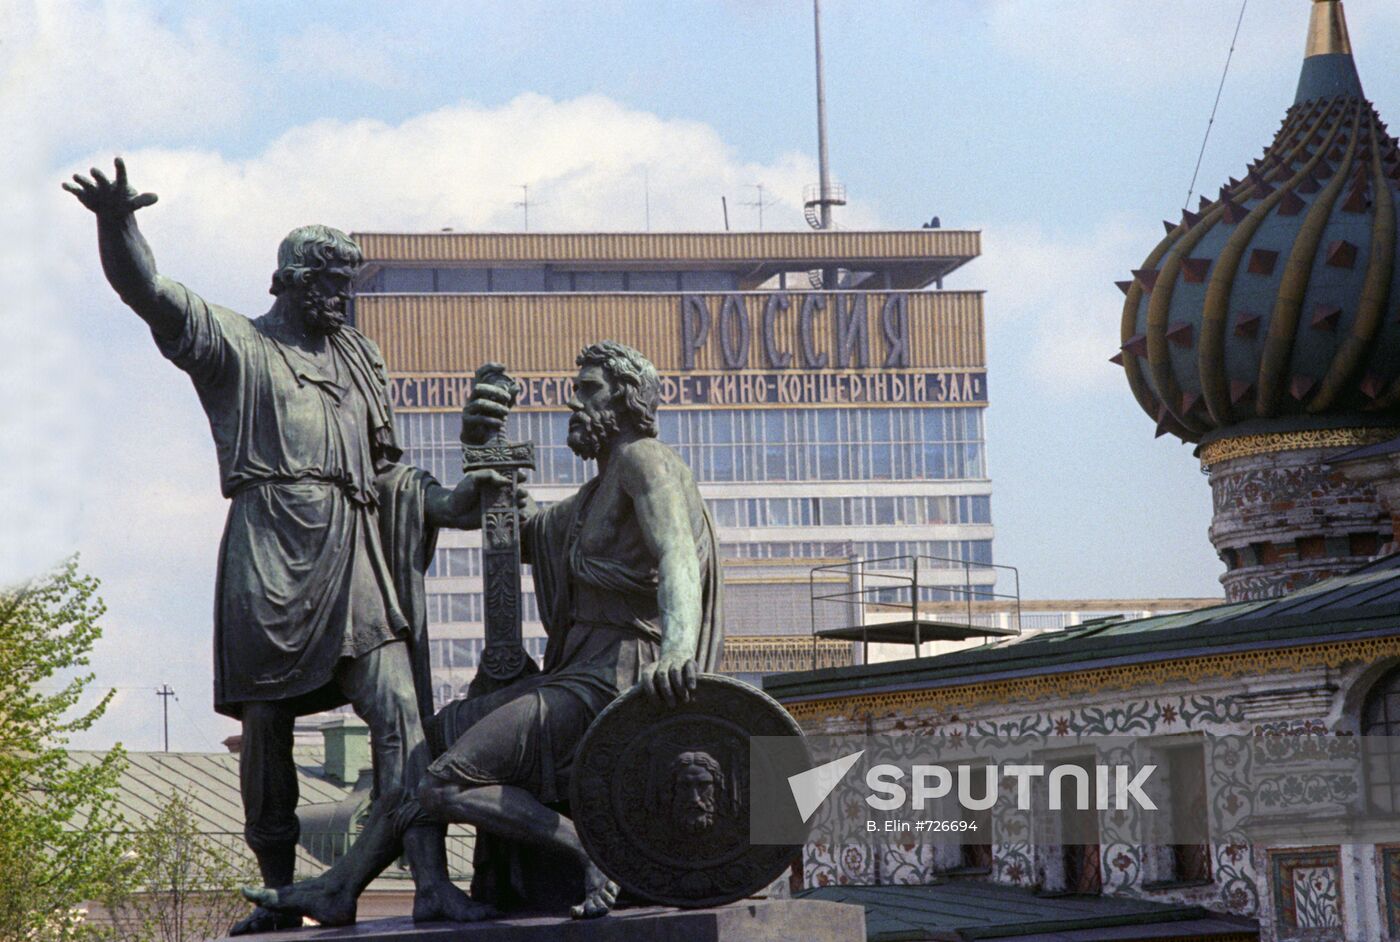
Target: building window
column 1181, row 849
column 975, row 851
column 724, row 445
column 406, row 280
column 456, row 561
column 654, row 281
column 517, row 279
column 463, row 280
column 1390, row 877
column 599, row 281
column 1186, row 775
column 1380, row 725
column 709, row 281
column 1080, row 837
column 1067, row 826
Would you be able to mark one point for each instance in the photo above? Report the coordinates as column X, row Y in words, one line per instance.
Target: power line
column 1191, row 190
column 208, row 740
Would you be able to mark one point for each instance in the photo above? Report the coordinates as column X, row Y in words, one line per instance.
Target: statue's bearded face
column 594, row 423
column 693, row 794
column 325, row 298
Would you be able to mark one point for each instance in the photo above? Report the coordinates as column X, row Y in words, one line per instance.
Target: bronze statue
column 627, row 576
column 319, row 594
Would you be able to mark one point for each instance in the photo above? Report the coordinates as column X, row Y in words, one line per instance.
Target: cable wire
column 1191, row 190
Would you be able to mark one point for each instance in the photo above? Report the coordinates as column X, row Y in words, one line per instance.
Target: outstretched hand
column 109, row 199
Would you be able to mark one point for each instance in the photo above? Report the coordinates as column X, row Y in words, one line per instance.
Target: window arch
column 1380, row 724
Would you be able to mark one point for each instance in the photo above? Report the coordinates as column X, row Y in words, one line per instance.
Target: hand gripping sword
column 503, row 659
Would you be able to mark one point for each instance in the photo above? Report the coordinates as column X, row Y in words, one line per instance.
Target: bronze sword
column 503, row 658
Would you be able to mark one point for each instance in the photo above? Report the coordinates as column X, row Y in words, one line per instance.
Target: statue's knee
column 272, row 833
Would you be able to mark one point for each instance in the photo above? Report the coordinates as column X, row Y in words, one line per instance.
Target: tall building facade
column 820, row 424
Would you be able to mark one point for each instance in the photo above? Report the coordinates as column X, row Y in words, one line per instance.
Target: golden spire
column 1327, row 30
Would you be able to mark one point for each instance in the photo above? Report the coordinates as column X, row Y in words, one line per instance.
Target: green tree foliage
column 186, row 881
column 61, row 840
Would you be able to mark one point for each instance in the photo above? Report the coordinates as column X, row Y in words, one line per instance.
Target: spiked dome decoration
column 1274, row 306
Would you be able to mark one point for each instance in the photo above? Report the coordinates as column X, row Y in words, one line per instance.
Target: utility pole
column 165, row 693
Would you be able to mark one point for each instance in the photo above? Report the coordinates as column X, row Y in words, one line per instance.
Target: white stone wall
column 1319, row 701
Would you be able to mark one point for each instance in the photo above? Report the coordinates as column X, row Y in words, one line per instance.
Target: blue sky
column 1064, row 130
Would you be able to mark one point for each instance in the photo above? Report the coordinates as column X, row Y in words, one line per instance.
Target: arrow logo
column 811, row 788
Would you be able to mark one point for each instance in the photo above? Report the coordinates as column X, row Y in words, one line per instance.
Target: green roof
column 210, row 779
column 1360, row 604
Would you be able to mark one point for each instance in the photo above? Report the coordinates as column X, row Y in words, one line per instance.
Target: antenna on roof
column 818, row 200
column 760, row 202
column 523, row 203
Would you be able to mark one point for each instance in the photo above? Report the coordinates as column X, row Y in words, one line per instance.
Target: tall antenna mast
column 818, row 200
column 823, row 166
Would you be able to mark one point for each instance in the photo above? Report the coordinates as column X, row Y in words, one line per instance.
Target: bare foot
column 265, row 920
column 599, row 895
column 315, row 898
column 443, row 902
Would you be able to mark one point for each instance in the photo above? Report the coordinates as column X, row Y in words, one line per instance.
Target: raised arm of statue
column 126, row 257
column 659, row 491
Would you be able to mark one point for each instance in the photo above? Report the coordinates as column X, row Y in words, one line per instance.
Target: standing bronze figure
column 319, row 594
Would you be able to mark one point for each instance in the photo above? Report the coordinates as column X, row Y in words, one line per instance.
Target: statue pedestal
column 749, row 921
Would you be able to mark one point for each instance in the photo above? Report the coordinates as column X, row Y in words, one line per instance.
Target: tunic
column 598, row 601
column 302, row 578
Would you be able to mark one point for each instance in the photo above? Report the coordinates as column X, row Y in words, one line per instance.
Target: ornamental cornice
column 1247, row 446
column 1077, row 684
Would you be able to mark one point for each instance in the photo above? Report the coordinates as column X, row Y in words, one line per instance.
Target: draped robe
column 600, row 612
column 303, row 579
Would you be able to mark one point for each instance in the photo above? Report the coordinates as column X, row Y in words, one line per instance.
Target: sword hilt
column 503, row 657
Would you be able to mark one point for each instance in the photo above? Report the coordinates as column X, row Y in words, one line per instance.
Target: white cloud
column 1052, row 306
column 112, row 70
column 114, row 455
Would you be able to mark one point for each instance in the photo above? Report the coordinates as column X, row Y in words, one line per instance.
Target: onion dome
column 1273, row 307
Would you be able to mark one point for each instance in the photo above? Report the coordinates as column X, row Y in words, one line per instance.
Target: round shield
column 662, row 796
